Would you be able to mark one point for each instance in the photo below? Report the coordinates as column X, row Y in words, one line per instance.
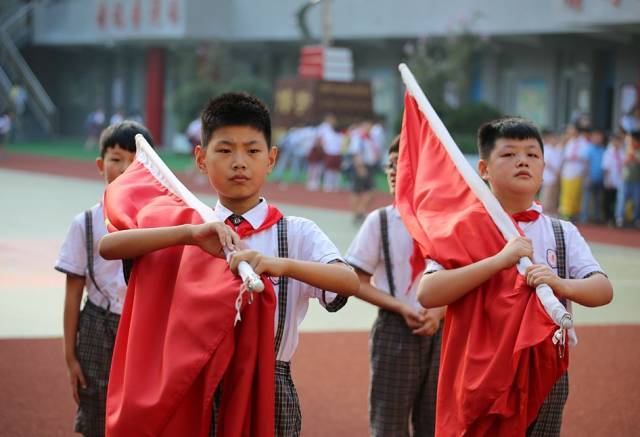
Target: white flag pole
column 552, row 305
column 150, row 159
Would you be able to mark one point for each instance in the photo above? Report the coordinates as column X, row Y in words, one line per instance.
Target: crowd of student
column 591, row 176
column 335, row 159
column 382, row 265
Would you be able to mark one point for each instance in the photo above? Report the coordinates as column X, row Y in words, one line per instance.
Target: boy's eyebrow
column 528, row 145
column 230, row 142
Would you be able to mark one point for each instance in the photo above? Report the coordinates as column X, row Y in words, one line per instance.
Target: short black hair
column 635, row 135
column 124, row 135
column 395, row 145
column 235, row 109
column 515, row 128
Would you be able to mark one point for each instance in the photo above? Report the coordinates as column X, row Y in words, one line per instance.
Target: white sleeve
column 364, row 251
column 315, row 246
column 72, row 258
column 580, row 260
column 433, row 266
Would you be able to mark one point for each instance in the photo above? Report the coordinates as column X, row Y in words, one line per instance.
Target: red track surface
column 331, row 374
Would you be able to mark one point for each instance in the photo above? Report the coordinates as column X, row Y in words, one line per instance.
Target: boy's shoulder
column 568, row 228
column 79, row 220
column 301, row 225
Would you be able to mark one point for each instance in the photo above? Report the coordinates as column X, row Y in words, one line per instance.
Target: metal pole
column 326, row 27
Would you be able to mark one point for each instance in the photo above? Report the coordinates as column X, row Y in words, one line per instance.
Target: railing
column 37, row 98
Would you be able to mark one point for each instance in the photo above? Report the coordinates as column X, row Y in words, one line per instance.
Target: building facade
column 545, row 60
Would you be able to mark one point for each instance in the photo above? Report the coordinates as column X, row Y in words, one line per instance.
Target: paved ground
column 39, row 198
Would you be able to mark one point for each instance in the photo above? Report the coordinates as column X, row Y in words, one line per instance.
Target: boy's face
column 237, row 162
column 115, row 162
column 391, row 171
column 597, row 137
column 514, row 168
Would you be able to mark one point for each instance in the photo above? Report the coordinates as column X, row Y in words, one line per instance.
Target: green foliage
column 468, row 117
column 442, row 68
column 192, row 96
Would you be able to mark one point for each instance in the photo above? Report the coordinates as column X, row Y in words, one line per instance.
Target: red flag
column 177, row 339
column 498, row 361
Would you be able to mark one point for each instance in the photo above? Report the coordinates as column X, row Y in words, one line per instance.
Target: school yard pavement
column 40, row 196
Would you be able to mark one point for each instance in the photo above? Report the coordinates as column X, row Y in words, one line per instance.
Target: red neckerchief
column 244, row 229
column 530, row 215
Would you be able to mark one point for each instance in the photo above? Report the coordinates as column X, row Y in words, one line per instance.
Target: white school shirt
column 108, row 273
column 306, row 242
column 579, row 260
column 331, row 140
column 302, row 140
column 574, row 158
column 363, row 147
column 613, row 164
column 553, row 157
column 365, row 253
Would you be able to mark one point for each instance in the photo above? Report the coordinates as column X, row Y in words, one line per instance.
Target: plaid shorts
column 549, row 419
column 404, row 378
column 288, row 418
column 96, row 336
column 288, row 415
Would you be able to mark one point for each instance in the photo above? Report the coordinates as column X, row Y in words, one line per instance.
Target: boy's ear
column 483, row 169
column 100, row 164
column 273, row 156
column 199, row 154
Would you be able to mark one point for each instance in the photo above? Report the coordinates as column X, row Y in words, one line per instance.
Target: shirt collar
column 535, row 206
column 255, row 216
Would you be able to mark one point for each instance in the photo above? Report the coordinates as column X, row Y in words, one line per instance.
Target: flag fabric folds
column 498, row 361
column 176, row 341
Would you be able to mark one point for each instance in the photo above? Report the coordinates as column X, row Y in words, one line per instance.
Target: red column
column 155, row 92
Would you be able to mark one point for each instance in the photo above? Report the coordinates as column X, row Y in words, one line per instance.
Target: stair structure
column 16, row 29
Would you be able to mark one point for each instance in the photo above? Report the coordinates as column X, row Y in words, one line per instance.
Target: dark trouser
column 288, row 416
column 549, row 419
column 592, row 202
column 404, row 378
column 609, row 204
column 96, row 337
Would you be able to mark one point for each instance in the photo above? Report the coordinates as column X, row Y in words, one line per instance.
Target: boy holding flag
column 511, row 161
column 502, row 352
column 295, row 258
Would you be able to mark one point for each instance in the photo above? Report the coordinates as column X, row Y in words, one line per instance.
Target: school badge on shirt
column 552, row 258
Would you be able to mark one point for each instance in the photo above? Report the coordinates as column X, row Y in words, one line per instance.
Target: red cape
column 176, row 338
column 498, row 362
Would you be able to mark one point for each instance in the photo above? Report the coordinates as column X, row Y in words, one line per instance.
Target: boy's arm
column 594, row 291
column 73, row 296
column 337, row 277
column 444, row 287
column 133, row 243
column 371, row 294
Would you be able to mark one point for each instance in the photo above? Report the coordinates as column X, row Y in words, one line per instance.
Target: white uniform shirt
column 108, row 273
column 553, row 157
column 302, row 140
column 575, row 158
column 363, row 147
column 366, row 254
column 306, row 242
column 579, row 260
column 194, row 131
column 331, row 140
column 612, row 164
